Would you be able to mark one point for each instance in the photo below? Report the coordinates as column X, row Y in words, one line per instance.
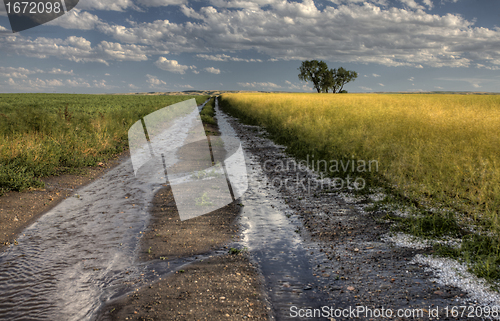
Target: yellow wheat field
column 431, row 147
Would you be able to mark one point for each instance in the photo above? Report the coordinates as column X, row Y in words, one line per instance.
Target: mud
column 351, row 262
column 168, row 237
column 305, row 247
column 206, row 283
column 220, row 288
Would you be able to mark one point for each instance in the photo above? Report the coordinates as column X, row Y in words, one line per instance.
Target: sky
column 122, row 46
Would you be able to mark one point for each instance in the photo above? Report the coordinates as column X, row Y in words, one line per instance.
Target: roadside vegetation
column 438, row 158
column 50, row 134
column 208, row 113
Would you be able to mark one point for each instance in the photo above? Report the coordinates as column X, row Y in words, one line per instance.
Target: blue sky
column 120, row 46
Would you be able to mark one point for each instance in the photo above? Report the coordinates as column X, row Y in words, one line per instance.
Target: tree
column 317, row 72
column 323, row 78
column 345, row 76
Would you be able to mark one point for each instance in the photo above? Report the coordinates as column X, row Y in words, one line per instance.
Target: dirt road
column 305, row 248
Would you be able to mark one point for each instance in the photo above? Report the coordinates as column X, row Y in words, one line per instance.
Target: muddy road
column 108, row 252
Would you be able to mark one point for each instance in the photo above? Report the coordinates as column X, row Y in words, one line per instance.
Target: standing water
column 83, row 251
column 270, row 236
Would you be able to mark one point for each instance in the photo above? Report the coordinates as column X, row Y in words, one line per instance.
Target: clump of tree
column 325, row 79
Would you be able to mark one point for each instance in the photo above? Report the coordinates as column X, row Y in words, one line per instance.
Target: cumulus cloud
column 77, row 49
column 379, row 34
column 380, row 84
column 185, row 86
column 264, row 85
column 77, row 19
column 255, row 4
column 153, row 81
column 58, row 71
column 21, row 72
column 172, row 66
column 412, row 4
column 375, row 75
column 365, row 88
column 387, row 36
column 428, row 3
column 117, row 51
column 378, row 2
column 38, row 84
column 161, row 3
column 110, row 5
column 298, row 86
column 12, row 72
column 224, row 57
column 212, row 70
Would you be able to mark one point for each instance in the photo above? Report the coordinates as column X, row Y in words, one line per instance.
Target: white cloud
column 153, row 81
column 58, row 71
column 212, row 70
column 412, row 4
column 224, row 57
column 380, row 84
column 299, row 86
column 111, row 5
column 100, row 83
column 375, row 75
column 411, row 78
column 255, row 4
column 77, row 49
column 21, row 72
column 387, row 36
column 161, row 3
column 185, row 86
column 281, row 29
column 428, row 3
column 266, row 85
column 12, row 72
column 117, row 51
column 172, row 66
column 77, row 19
column 78, row 83
column 365, row 88
column 38, row 84
column 377, row 2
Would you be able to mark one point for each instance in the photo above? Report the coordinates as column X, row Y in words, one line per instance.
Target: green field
column 437, row 153
column 50, row 134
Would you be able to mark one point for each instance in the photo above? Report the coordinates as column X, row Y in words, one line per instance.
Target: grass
column 236, row 251
column 208, row 113
column 438, row 154
column 49, row 134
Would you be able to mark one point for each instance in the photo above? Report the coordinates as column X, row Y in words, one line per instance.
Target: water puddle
column 87, row 243
column 83, row 252
column 286, row 261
